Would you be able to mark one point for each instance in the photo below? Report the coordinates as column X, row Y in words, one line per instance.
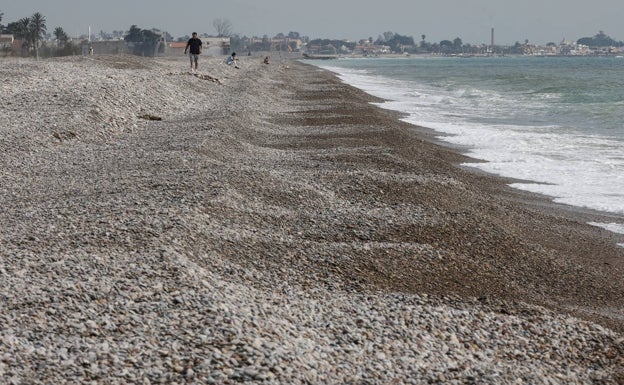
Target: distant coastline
column 462, row 56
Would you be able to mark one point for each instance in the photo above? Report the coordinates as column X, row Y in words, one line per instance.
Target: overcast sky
column 539, row 21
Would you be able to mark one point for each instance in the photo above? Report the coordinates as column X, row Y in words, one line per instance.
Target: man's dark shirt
column 195, row 45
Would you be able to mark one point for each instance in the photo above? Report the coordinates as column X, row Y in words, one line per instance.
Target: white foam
column 613, row 227
column 577, row 169
column 617, row 228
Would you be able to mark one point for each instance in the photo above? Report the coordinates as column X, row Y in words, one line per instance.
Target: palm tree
column 20, row 30
column 37, row 29
column 61, row 36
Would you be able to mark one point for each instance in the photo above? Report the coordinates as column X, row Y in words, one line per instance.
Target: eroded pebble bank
column 157, row 229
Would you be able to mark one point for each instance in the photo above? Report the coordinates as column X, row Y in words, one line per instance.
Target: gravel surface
column 269, row 225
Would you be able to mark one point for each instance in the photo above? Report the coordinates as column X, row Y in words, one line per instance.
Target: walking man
column 194, row 44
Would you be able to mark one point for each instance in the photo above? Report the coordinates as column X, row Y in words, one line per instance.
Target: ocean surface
column 555, row 123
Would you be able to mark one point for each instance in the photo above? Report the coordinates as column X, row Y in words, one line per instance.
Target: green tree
column 385, row 37
column 446, row 43
column 61, row 37
column 600, row 40
column 69, row 49
column 517, row 49
column 19, row 29
column 266, row 43
column 397, row 42
column 237, row 43
column 134, row 34
column 423, row 44
column 37, row 29
column 144, row 41
column 29, row 29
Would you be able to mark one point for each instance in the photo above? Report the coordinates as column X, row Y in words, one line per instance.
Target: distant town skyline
column 538, row 22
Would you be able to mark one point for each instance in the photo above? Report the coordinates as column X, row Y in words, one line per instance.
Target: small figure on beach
column 194, row 45
column 266, row 60
column 232, row 60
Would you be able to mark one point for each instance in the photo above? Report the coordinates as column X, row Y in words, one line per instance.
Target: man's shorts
column 194, row 57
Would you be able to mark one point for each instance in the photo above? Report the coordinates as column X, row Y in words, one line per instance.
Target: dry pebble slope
column 94, row 98
column 112, row 269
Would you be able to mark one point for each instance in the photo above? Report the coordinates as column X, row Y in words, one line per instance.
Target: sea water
column 555, row 124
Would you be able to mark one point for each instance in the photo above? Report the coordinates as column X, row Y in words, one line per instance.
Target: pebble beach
column 270, row 225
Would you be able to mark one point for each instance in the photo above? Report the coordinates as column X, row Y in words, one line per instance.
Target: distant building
column 105, row 47
column 573, row 49
column 177, row 45
column 6, row 42
column 215, row 45
column 211, row 45
column 369, row 49
column 282, row 44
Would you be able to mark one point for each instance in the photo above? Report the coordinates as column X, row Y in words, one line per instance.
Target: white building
column 6, row 42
